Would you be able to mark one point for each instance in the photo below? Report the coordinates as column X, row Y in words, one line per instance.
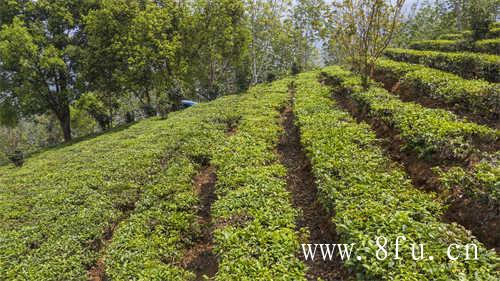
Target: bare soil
column 480, row 218
column 408, row 94
column 98, row 271
column 301, row 183
column 200, row 258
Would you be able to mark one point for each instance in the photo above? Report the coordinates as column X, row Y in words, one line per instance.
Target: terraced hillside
column 229, row 190
column 450, row 87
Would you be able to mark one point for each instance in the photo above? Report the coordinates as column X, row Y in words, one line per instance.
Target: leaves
column 370, row 199
column 467, row 65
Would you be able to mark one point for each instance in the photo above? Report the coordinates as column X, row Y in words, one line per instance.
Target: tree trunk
column 458, row 12
column 65, row 121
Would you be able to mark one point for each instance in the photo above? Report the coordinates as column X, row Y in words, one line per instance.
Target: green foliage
column 363, row 30
column 9, row 115
column 482, row 182
column 437, row 45
column 370, row 199
column 63, row 202
column 133, row 47
column 467, row 65
column 94, row 107
column 256, row 239
column 215, row 47
column 82, row 122
column 451, row 36
column 40, row 45
column 428, row 20
column 480, row 13
column 494, row 32
column 132, row 54
column 429, row 132
column 491, row 46
column 475, row 96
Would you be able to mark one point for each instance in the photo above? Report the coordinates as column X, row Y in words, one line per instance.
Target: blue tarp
column 188, row 103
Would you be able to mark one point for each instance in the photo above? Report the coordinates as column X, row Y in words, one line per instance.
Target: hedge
column 491, row 46
column 255, row 237
column 370, row 198
column 474, row 96
column 438, row 45
column 451, row 36
column 494, row 32
column 164, row 223
column 481, row 182
column 57, row 209
column 429, row 132
column 467, row 65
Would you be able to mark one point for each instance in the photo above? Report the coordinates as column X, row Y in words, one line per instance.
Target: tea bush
column 370, row 198
column 465, row 64
column 475, row 96
column 429, row 132
column 256, row 237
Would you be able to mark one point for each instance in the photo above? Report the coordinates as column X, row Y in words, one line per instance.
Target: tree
column 271, row 39
column 427, row 20
column 482, row 14
column 133, row 46
column 217, row 46
column 39, row 55
column 363, row 29
column 309, row 22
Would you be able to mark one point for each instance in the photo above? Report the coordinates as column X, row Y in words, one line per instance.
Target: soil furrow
column 301, row 184
column 200, row 258
column 98, row 271
column 408, row 94
column 478, row 217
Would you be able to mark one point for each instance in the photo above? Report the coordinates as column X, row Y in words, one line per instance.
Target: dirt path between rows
column 409, row 94
column 478, row 217
column 200, row 258
column 98, row 271
column 301, row 183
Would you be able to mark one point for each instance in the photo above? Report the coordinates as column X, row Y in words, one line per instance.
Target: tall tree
column 39, row 55
column 218, row 44
column 133, row 46
column 309, row 22
column 271, row 38
column 363, row 29
column 481, row 14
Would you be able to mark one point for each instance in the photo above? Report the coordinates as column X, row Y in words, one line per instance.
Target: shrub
column 494, row 32
column 370, row 198
column 474, row 96
column 255, row 239
column 438, row 45
column 467, row 65
column 429, row 132
column 491, row 46
column 481, row 182
column 451, row 36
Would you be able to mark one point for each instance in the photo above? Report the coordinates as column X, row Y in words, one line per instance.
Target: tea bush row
column 465, row 64
column 370, row 198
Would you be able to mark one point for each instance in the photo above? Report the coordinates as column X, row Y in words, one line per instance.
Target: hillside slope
column 213, row 191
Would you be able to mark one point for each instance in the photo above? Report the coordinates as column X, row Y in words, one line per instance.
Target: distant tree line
column 74, row 67
column 102, row 61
